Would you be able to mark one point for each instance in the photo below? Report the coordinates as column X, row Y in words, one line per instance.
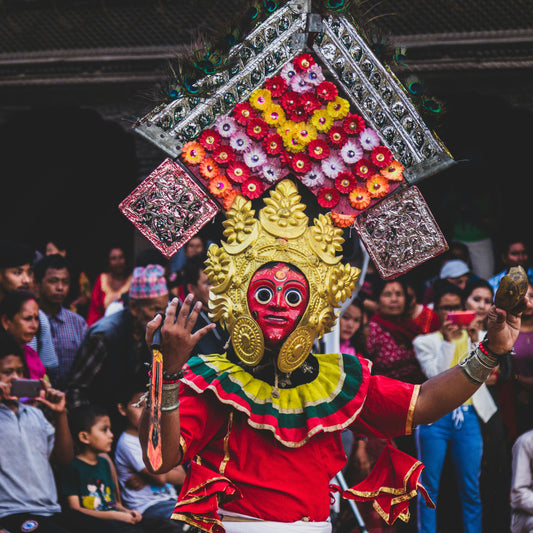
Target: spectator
column 152, row 495
column 514, row 253
column 52, row 277
column 114, row 351
column 109, row 285
column 352, row 324
column 421, row 314
column 195, row 282
column 459, row 430
column 390, row 334
column 82, row 292
column 495, row 476
column 28, row 444
column 16, row 274
column 19, row 317
column 88, row 483
column 522, row 363
column 522, row 484
column 196, row 245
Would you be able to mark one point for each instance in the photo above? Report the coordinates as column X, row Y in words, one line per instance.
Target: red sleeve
column 96, row 305
column 388, row 408
column 201, row 417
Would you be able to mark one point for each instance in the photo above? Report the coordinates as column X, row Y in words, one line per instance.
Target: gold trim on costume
column 224, row 462
column 411, row 411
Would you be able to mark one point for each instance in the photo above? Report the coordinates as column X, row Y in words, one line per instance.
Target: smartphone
column 461, row 318
column 26, row 388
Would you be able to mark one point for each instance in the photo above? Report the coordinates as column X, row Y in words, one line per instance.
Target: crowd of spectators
column 87, row 348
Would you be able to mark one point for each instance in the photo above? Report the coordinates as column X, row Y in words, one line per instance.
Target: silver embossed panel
column 400, row 233
column 168, row 207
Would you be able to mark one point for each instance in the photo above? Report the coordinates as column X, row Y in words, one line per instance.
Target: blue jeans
column 463, row 437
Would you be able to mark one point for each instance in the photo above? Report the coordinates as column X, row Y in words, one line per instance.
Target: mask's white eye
column 293, row 297
column 263, row 295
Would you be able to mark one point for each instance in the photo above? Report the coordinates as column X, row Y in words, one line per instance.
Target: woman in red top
column 110, row 285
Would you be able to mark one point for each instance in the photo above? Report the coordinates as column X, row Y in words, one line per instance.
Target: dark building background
column 74, row 76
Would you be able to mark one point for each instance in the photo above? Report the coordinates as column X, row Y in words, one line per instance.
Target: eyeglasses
column 449, row 308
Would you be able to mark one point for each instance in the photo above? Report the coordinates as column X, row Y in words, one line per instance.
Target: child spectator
column 29, row 444
column 151, row 494
column 88, row 483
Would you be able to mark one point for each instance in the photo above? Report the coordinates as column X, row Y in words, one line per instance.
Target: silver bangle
column 477, row 367
column 169, row 397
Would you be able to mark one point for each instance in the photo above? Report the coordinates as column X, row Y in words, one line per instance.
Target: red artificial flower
column 219, row 186
column 318, row 149
column 290, row 100
column 257, row 128
column 252, row 188
column 285, row 157
column 209, row 169
column 337, row 136
column 377, row 186
column 310, row 102
column 210, row 139
column 345, row 182
column 359, row 198
column 243, row 112
column 273, row 144
column 328, row 197
column 300, row 163
column 353, row 124
column 393, row 172
column 327, row 91
column 364, row 168
column 341, row 220
column 238, row 171
column 298, row 114
column 303, row 62
column 381, row 156
column 276, row 85
column 223, row 154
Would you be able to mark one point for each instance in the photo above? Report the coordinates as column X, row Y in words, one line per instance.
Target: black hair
column 13, row 302
column 83, row 418
column 475, row 284
column 191, row 270
column 15, row 254
column 9, row 346
column 58, row 242
column 358, row 339
column 151, row 256
column 131, row 387
column 55, row 261
column 442, row 287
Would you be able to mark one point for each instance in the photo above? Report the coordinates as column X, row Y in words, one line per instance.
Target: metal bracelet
column 477, row 367
column 169, row 397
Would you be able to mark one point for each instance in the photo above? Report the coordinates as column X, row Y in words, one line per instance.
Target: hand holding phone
column 26, row 388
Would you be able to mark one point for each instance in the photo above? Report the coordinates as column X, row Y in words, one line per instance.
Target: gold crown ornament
column 280, row 234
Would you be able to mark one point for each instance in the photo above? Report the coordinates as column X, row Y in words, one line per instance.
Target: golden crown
column 280, row 234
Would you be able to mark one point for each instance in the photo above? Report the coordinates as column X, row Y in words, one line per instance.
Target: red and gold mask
column 277, row 298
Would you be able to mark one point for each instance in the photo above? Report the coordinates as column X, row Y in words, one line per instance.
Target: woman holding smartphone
column 19, row 317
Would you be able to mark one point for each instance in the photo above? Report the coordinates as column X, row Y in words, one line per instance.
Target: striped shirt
column 68, row 331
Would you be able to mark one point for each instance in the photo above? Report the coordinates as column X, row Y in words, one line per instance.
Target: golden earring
column 296, row 348
column 248, row 341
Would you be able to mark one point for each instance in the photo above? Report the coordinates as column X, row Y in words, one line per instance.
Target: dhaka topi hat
column 454, row 269
column 148, row 282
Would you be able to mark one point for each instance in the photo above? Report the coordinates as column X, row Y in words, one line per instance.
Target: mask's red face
column 277, row 298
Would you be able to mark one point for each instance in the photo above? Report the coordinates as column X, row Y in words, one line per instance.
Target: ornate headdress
column 281, row 233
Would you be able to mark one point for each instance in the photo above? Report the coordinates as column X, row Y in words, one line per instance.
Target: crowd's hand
column 502, row 330
column 136, row 515
column 177, row 338
column 135, row 482
column 54, row 399
column 449, row 330
column 474, row 328
column 5, row 391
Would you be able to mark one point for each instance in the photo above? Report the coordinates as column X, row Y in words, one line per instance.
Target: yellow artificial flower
column 321, row 120
column 305, row 132
column 339, row 108
column 260, row 99
column 274, row 115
